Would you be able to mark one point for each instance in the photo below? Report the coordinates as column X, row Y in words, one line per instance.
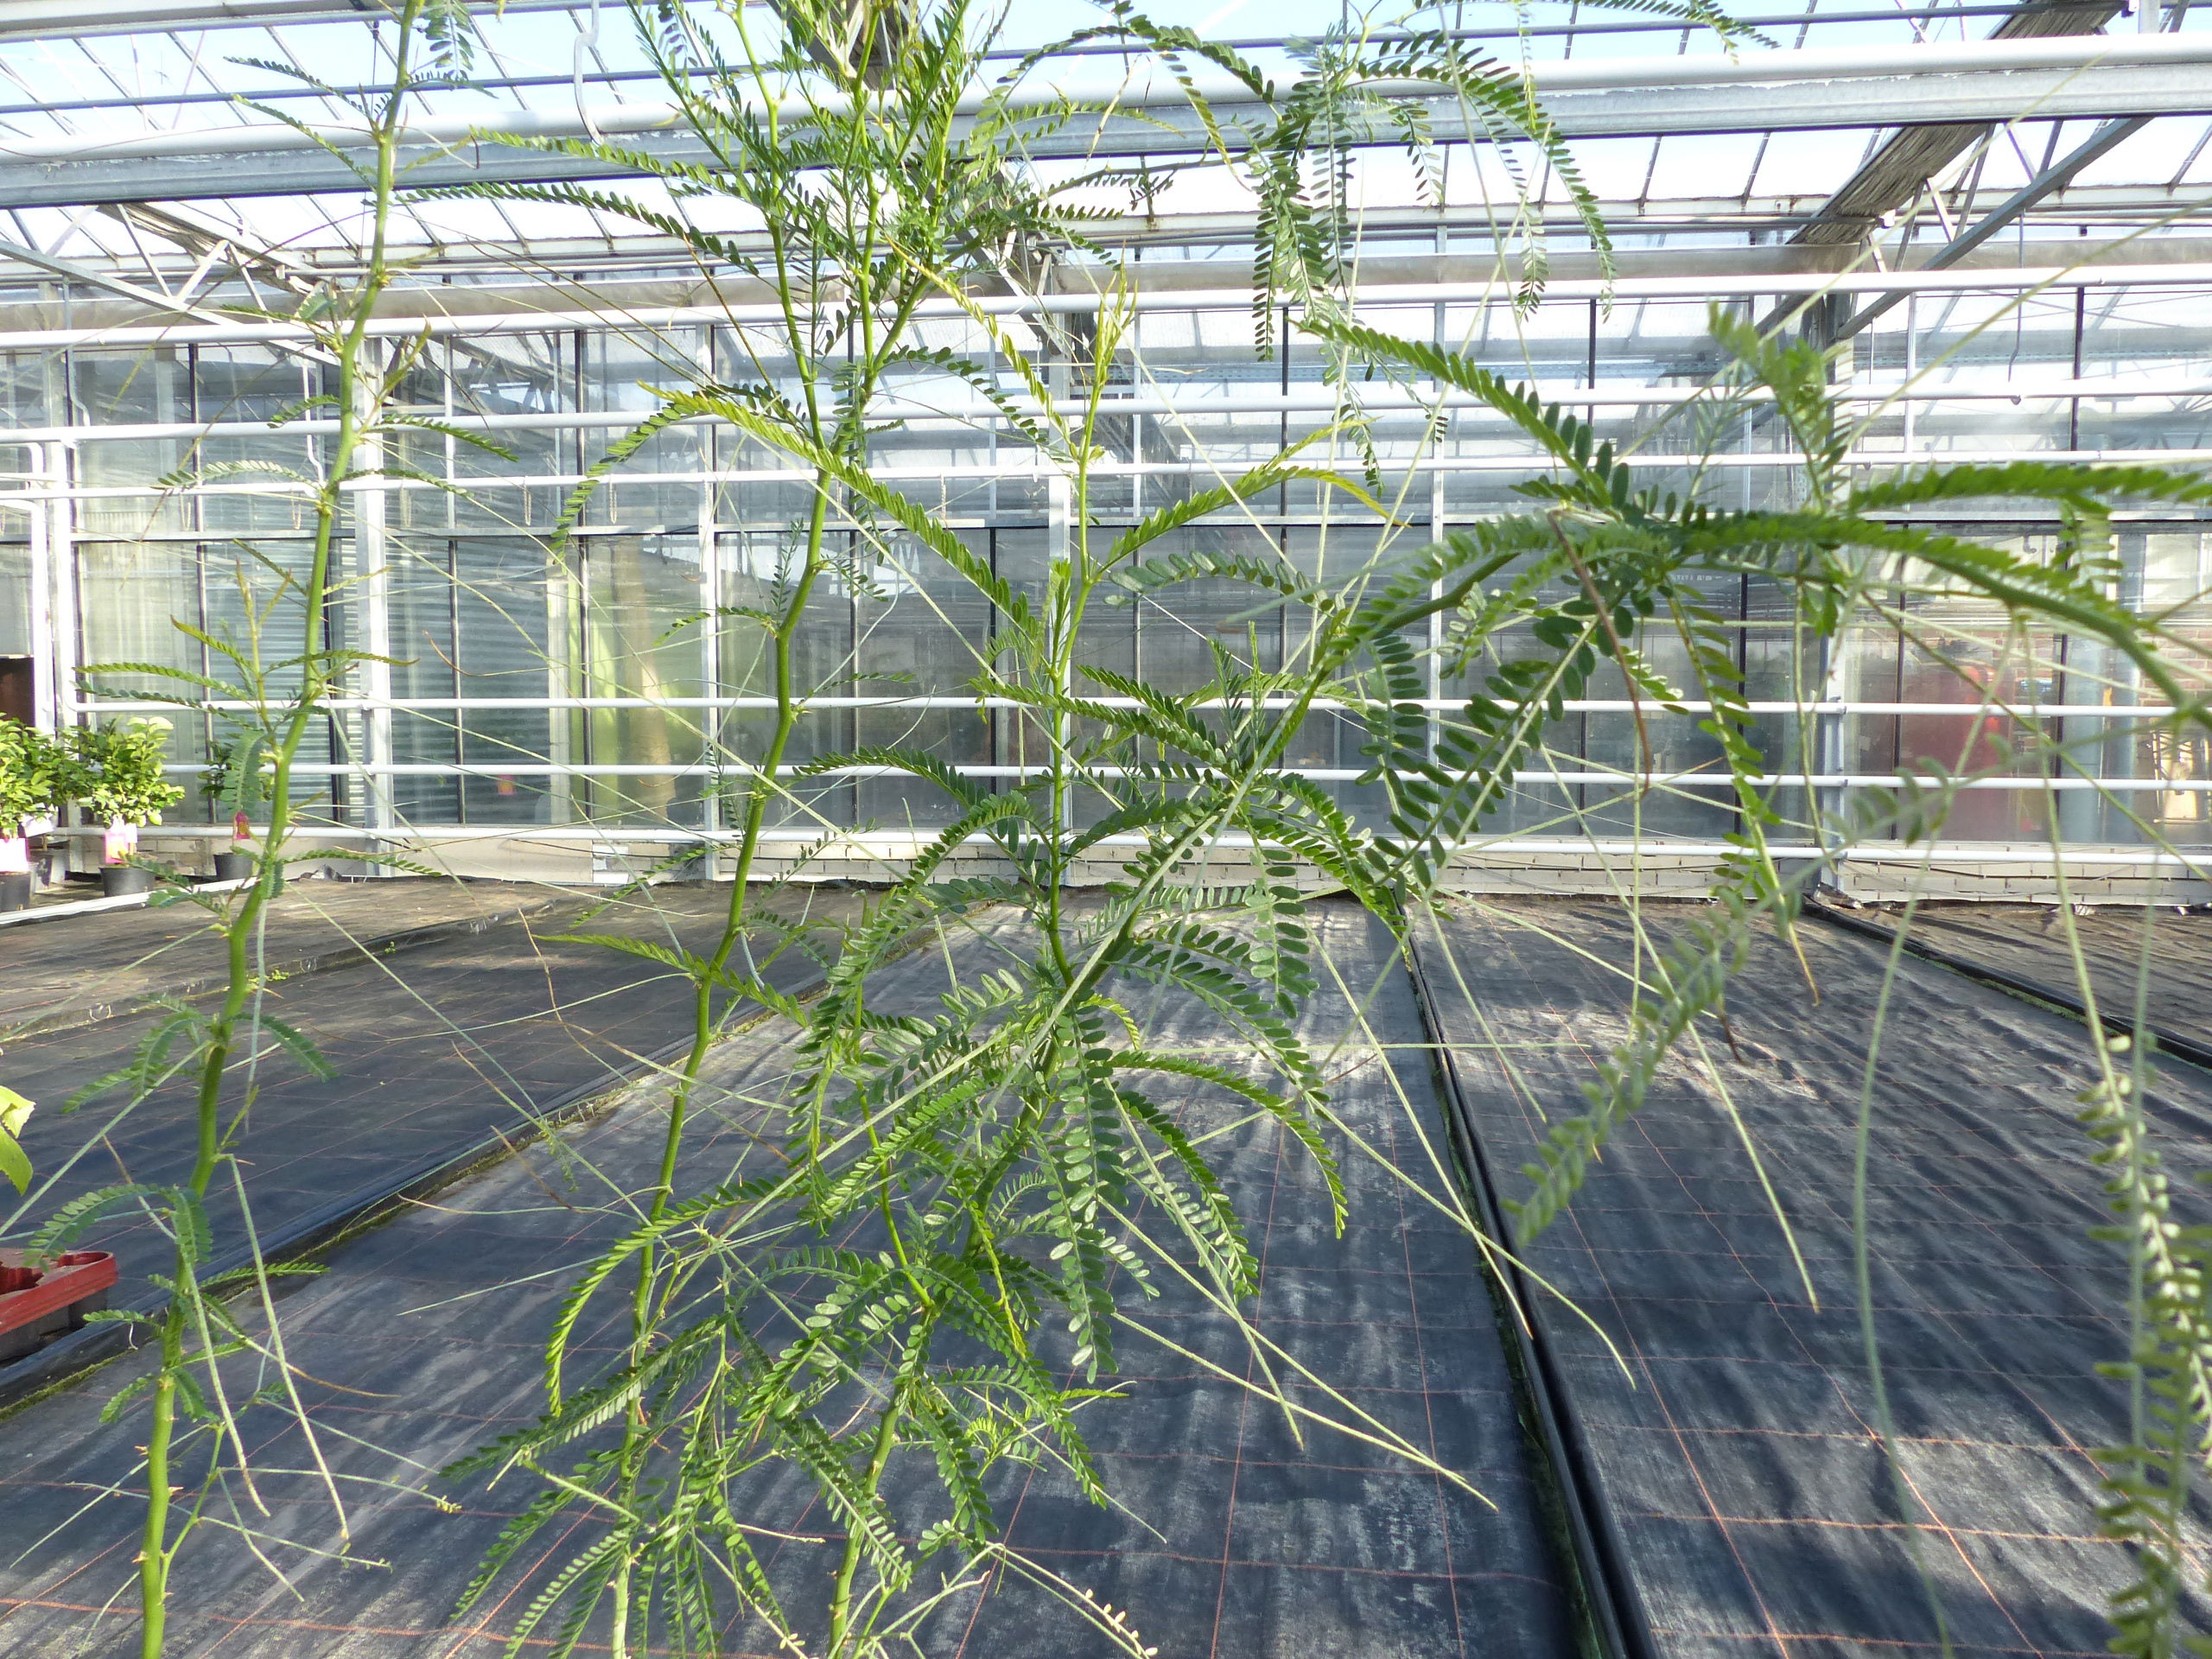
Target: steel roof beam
column 204, row 239
column 2117, row 206
column 62, row 20
column 153, row 299
column 46, row 20
column 1901, row 165
column 646, row 300
column 1984, row 81
column 2100, row 204
column 518, row 315
column 2106, row 138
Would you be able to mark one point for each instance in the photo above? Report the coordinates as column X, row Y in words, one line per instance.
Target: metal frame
column 1993, row 81
column 2037, row 71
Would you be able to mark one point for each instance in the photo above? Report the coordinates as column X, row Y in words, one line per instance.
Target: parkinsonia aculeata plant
column 929, row 1279
column 1839, row 548
column 272, row 678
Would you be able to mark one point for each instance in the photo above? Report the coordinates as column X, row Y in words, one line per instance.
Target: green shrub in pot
column 36, row 775
column 122, row 783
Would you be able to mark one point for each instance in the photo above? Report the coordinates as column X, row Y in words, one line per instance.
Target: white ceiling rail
column 1527, row 462
column 1381, row 398
column 2086, row 272
column 1821, row 65
column 30, row 20
column 901, row 843
column 1754, row 68
column 1322, row 705
column 62, row 20
column 1990, row 81
column 496, row 769
column 2109, row 205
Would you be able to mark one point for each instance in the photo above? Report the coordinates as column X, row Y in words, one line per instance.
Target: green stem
column 748, row 842
column 841, row 1597
column 154, row 1553
column 703, row 1017
column 157, row 1549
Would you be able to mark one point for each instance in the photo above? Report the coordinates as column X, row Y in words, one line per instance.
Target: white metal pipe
column 69, row 20
column 1569, row 75
column 898, row 843
column 1526, row 462
column 1316, row 774
column 1500, row 291
column 98, row 706
column 1384, row 397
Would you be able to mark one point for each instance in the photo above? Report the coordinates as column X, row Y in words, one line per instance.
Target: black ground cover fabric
column 424, row 1339
column 435, row 1050
column 2030, row 943
column 70, row 969
column 1737, row 1452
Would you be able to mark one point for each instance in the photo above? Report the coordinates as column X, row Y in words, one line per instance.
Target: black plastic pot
column 119, row 879
column 234, row 867
column 15, row 892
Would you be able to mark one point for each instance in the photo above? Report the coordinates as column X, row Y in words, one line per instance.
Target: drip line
column 2193, row 1050
column 1601, row 1557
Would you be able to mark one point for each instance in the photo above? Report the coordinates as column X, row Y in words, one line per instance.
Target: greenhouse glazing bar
column 1492, row 289
column 35, row 20
column 1198, row 405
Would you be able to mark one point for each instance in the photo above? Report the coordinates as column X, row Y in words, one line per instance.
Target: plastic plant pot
column 234, row 867
column 117, row 880
column 38, row 1304
column 15, row 892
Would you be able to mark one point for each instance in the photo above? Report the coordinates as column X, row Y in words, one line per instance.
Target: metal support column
column 711, row 720
column 1059, row 539
column 46, row 695
column 66, row 629
column 1826, row 757
column 372, row 561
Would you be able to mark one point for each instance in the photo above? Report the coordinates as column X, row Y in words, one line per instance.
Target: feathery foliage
column 926, row 1279
column 278, row 669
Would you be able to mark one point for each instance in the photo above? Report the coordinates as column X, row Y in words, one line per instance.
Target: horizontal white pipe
column 1324, row 705
column 616, row 839
column 68, row 20
column 1316, row 774
column 1585, row 75
column 1861, row 62
column 1525, row 462
column 1320, row 401
column 1502, row 291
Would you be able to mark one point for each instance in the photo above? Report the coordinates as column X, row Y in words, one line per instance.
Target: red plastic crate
column 37, row 1305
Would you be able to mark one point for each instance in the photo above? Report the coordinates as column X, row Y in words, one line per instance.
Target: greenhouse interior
column 915, row 657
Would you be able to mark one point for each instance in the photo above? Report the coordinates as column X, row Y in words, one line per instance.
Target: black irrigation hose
column 1608, row 1587
column 2169, row 1042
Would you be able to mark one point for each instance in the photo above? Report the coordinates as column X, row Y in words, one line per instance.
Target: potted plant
column 237, row 781
column 122, row 786
column 32, row 773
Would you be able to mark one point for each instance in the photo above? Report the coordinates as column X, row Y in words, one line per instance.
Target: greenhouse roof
column 154, row 161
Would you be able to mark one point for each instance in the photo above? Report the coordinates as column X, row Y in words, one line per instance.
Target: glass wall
column 543, row 679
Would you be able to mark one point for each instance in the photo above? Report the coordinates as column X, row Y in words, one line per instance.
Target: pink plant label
column 117, row 842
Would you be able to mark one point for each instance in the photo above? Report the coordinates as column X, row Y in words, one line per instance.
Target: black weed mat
column 1236, row 1540
column 70, row 969
column 1738, row 1454
column 2164, row 953
column 434, row 1052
